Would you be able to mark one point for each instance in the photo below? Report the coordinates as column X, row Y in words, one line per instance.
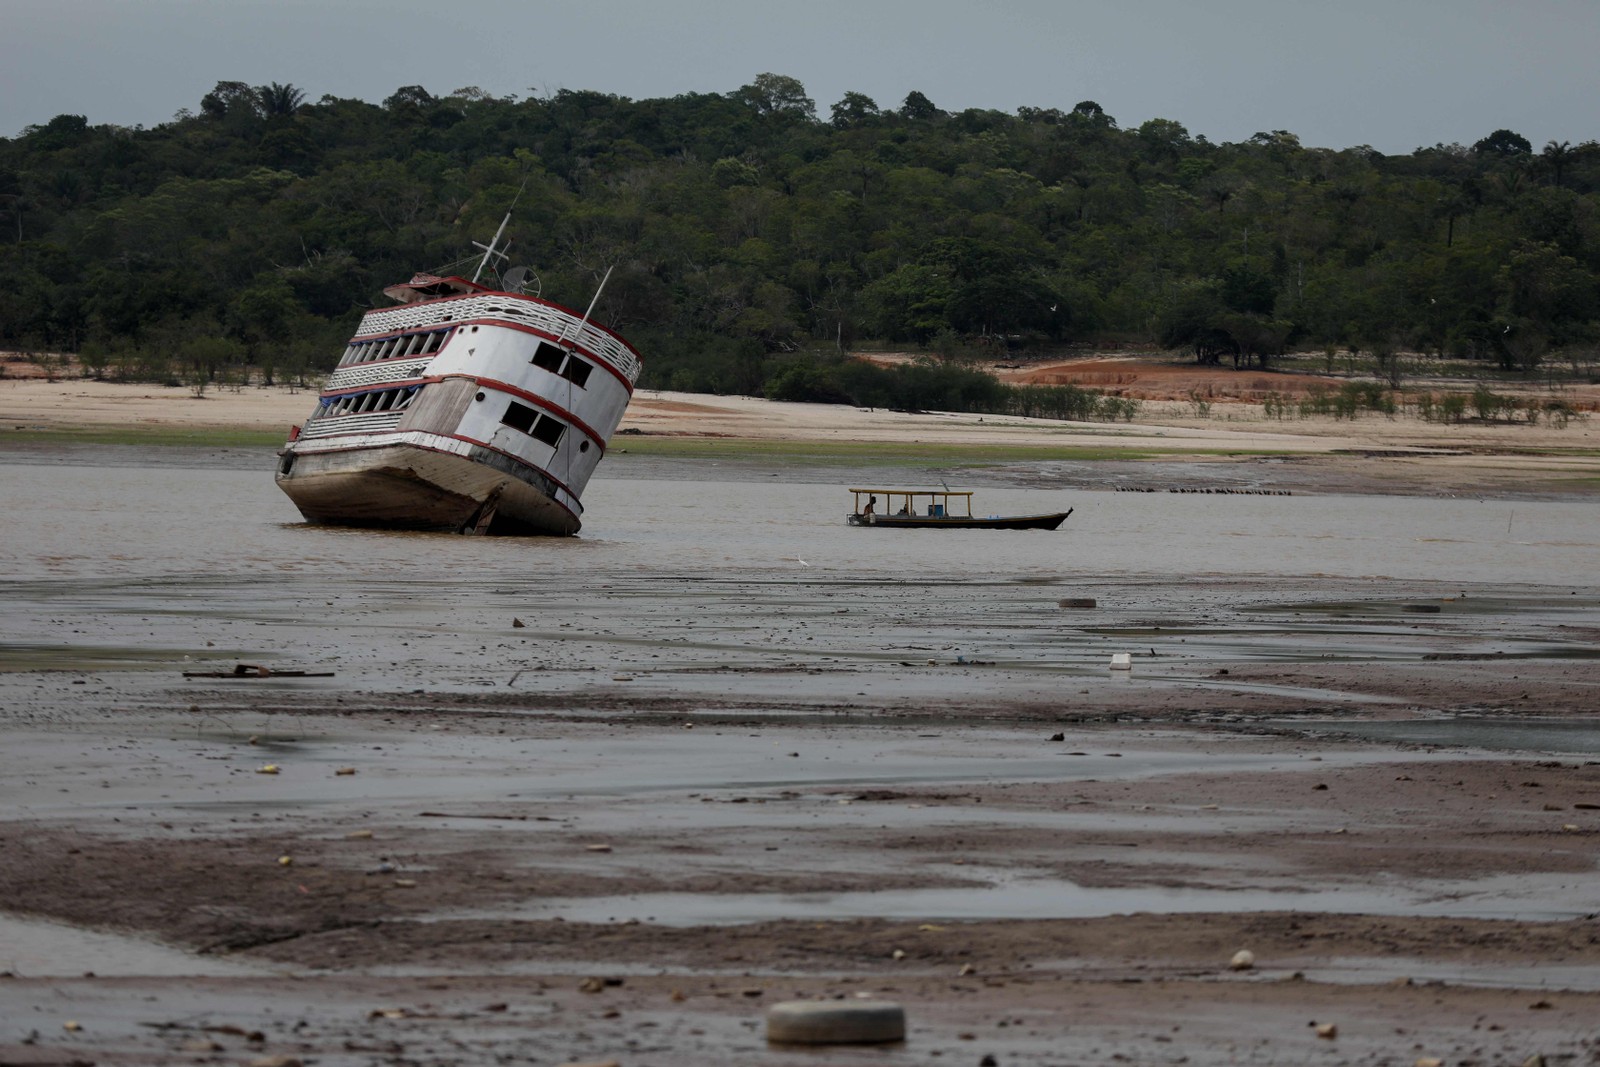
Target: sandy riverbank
column 1404, row 455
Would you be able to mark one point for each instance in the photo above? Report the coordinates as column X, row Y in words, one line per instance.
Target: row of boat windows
column 536, row 424
column 410, row 344
column 547, row 356
column 367, row 403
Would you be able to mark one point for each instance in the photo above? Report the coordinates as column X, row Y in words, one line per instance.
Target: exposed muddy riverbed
column 732, row 749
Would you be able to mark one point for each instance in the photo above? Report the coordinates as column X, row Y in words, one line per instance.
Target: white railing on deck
column 525, row 312
column 335, row 425
column 401, row 370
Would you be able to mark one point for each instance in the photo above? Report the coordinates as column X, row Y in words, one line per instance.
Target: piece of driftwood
column 256, row 670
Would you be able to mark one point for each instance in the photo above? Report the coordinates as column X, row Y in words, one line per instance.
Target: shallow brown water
column 198, row 513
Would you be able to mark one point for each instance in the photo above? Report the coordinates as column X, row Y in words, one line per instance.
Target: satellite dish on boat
column 519, row 280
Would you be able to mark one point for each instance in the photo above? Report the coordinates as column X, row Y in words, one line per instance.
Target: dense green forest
column 754, row 239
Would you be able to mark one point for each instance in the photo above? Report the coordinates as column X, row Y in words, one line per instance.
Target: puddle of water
column 1367, row 970
column 41, row 656
column 1545, row 736
column 1528, row 899
column 186, row 779
column 34, row 948
column 1448, row 605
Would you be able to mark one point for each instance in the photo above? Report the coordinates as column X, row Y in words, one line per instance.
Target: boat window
column 576, row 371
column 548, row 430
column 539, row 427
column 549, row 357
column 519, row 417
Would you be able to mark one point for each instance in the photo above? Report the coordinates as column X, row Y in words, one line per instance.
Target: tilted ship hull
column 465, row 409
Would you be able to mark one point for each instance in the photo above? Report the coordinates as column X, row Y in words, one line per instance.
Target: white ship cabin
column 523, row 378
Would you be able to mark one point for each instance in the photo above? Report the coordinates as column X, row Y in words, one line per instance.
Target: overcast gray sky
column 1393, row 74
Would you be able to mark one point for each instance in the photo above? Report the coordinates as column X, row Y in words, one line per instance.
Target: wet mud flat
column 471, row 823
column 496, row 884
column 571, row 804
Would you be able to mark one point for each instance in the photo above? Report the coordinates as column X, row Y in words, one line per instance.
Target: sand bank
column 1377, row 453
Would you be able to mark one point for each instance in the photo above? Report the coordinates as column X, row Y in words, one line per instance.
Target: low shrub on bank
column 1483, row 404
column 935, row 385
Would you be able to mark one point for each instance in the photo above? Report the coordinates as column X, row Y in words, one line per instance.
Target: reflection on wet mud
column 1551, row 736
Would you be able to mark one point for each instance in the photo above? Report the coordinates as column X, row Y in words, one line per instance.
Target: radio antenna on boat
column 596, row 298
column 592, row 302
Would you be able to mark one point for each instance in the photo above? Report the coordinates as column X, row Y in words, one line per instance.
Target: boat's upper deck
column 456, row 305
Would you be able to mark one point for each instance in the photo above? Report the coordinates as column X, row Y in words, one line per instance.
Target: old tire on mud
column 831, row 1022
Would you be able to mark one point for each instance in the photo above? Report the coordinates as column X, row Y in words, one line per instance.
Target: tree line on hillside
column 753, row 240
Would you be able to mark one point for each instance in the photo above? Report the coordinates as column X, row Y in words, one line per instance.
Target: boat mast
column 491, row 254
column 489, row 251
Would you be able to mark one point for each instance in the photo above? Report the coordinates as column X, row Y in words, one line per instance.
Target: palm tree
column 279, row 100
column 1556, row 156
column 1454, row 205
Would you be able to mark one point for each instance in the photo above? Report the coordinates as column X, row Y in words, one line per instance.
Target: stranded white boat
column 463, row 408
